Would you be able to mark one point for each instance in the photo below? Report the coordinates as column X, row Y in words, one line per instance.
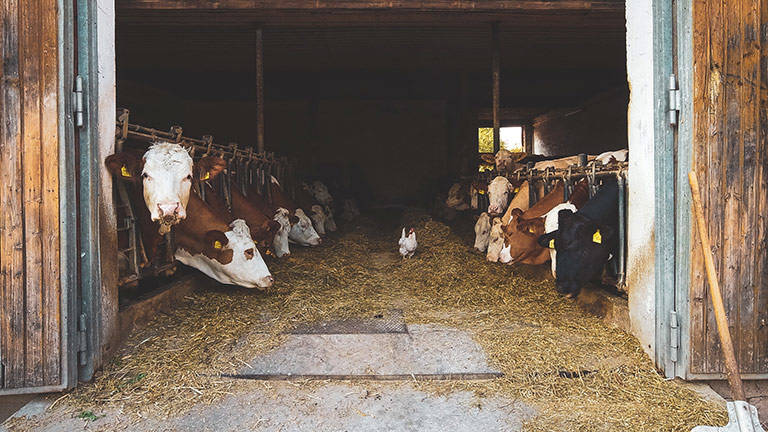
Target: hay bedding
column 578, row 373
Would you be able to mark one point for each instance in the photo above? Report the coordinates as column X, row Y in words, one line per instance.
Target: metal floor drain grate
column 389, row 322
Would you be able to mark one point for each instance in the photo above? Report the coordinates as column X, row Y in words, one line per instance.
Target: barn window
column 511, row 139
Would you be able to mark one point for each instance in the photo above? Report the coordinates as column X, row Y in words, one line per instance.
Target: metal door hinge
column 2, row 374
column 77, row 101
column 674, row 336
column 674, row 101
column 82, row 333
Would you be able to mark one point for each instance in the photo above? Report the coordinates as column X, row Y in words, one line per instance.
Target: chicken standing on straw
column 408, row 243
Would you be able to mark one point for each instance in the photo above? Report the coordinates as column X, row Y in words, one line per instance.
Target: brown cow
column 525, row 227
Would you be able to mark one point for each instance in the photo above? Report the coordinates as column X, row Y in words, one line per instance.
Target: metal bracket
column 674, row 336
column 674, row 100
column 82, row 349
column 77, row 101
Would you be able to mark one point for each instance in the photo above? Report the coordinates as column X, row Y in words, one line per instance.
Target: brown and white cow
column 165, row 171
column 207, row 238
column 522, row 232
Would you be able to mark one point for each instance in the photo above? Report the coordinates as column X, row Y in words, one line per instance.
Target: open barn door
column 728, row 148
column 39, row 343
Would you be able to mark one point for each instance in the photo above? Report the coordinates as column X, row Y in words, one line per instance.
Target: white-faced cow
column 500, row 191
column 482, row 232
column 495, row 241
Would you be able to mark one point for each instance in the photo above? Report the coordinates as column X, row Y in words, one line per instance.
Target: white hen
column 408, row 243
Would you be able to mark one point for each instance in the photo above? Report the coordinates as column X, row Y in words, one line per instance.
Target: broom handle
column 731, row 367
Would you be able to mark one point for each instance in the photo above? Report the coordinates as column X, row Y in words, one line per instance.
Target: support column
column 259, row 90
column 496, row 65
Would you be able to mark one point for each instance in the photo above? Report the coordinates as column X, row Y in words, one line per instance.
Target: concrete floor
column 282, row 406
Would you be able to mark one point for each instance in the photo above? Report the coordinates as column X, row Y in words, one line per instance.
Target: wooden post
column 496, row 65
column 259, row 90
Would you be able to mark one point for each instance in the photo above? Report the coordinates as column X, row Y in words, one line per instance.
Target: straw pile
column 578, row 373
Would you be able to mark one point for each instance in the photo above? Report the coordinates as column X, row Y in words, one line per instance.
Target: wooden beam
column 329, row 5
column 259, row 89
column 495, row 76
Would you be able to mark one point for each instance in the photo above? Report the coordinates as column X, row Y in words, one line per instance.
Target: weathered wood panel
column 30, row 328
column 730, row 147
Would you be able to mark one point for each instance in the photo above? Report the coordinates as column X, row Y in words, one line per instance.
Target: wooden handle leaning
column 731, row 367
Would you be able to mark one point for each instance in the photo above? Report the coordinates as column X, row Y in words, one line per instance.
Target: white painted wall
column 640, row 218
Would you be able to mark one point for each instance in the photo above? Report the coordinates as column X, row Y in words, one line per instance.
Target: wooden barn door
column 33, row 306
column 730, row 155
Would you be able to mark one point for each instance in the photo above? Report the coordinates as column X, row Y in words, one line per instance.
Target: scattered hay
column 580, row 374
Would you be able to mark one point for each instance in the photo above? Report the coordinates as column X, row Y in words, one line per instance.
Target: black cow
column 585, row 240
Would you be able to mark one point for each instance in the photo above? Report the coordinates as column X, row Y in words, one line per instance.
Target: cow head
column 302, row 231
column 503, row 160
column 482, row 232
column 230, row 258
column 167, row 177
column 320, row 191
column 583, row 247
column 264, row 234
column 520, row 238
column 457, row 197
column 318, row 219
column 280, row 243
column 499, row 192
column 495, row 241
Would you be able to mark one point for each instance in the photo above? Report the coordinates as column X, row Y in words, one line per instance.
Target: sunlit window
column 511, row 139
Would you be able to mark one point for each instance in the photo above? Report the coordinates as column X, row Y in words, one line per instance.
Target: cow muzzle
column 170, row 213
column 265, row 282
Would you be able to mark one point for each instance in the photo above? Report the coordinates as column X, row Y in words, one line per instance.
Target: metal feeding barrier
column 595, row 173
column 245, row 169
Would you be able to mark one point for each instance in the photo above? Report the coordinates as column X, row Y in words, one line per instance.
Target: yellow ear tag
column 124, row 171
column 217, row 244
column 552, row 244
column 206, row 176
column 596, row 237
column 481, row 192
column 517, row 189
column 531, row 230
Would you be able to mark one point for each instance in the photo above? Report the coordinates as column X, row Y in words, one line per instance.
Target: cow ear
column 209, row 167
column 606, row 234
column 125, row 166
column 548, row 240
column 515, row 214
column 293, row 219
column 215, row 243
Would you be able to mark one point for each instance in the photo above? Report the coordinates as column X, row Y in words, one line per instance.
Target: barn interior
column 389, row 102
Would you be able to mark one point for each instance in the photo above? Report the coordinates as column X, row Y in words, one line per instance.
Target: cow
column 609, row 157
column 495, row 241
column 165, row 171
column 500, row 192
column 585, row 240
column 520, row 201
column 206, row 238
column 482, row 232
column 317, row 214
column 320, row 192
column 301, row 231
column 522, row 232
column 222, row 248
column 561, row 163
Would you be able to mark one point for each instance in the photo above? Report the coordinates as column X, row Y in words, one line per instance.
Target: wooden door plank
column 761, row 262
column 50, row 195
column 11, row 228
column 702, row 121
column 31, row 177
column 714, row 167
column 745, row 291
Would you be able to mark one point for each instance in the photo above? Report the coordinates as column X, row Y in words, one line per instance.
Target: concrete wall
column 640, row 235
column 597, row 125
